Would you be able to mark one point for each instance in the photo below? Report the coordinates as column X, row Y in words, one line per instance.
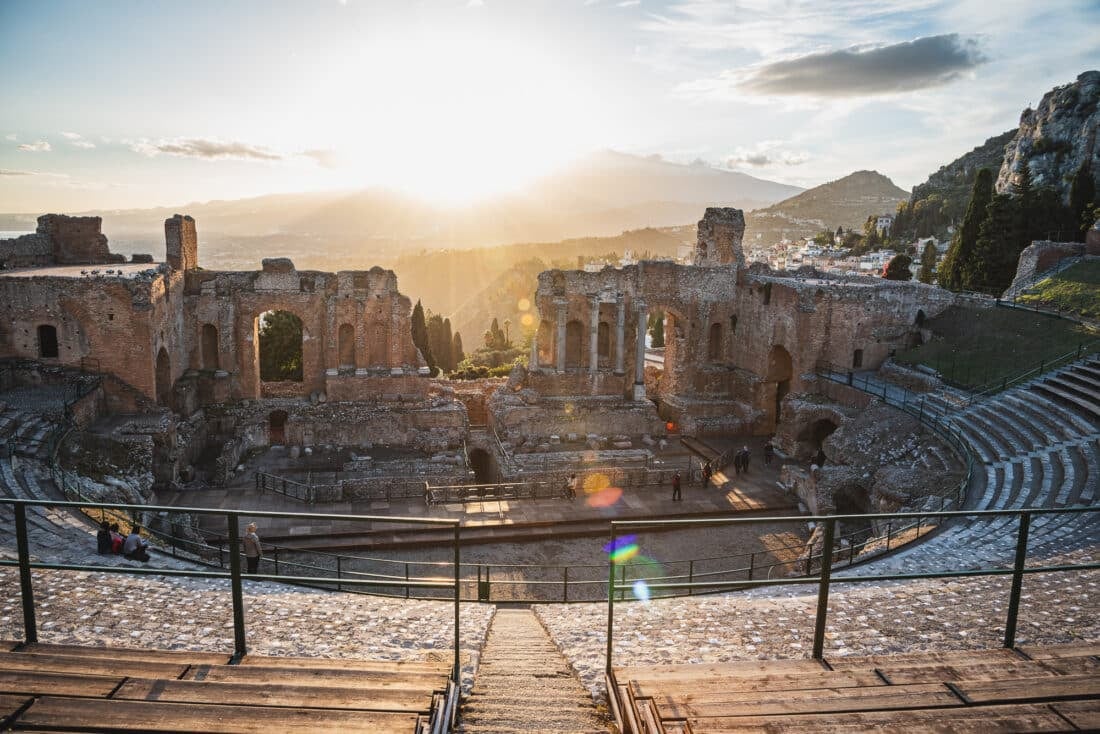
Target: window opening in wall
column 767, row 293
column 47, row 341
column 733, row 324
column 857, row 359
column 714, row 342
column 574, row 344
column 280, row 347
column 346, row 347
column 210, row 360
column 603, row 341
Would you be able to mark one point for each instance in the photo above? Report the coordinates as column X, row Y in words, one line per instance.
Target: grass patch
column 1075, row 289
column 980, row 346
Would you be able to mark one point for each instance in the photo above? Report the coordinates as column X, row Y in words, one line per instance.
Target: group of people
column 109, row 540
column 741, row 460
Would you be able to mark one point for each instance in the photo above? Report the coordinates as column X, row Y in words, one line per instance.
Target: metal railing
column 287, row 487
column 234, row 573
column 823, row 579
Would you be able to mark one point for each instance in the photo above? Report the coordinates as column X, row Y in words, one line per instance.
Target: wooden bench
column 1034, row 689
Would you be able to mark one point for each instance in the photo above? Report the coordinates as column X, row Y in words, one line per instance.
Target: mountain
column 1057, row 137
column 602, row 194
column 846, row 202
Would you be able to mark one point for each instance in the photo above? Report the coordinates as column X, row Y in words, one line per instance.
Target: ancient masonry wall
column 59, row 240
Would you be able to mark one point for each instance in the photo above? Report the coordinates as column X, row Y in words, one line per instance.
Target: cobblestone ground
column 881, row 617
column 191, row 614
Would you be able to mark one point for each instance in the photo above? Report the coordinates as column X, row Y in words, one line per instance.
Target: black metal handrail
column 234, row 574
column 823, row 579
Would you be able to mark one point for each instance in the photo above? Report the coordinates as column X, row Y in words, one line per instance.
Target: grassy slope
column 1075, row 289
column 978, row 346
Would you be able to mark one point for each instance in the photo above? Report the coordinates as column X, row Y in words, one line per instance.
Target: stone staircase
column 524, row 684
column 1035, row 446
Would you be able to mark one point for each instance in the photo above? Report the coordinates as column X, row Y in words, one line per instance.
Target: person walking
column 745, row 456
column 706, row 473
column 252, row 550
column 769, row 452
column 676, row 496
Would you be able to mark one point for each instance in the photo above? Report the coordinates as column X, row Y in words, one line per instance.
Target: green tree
column 280, row 347
column 898, row 268
column 957, row 263
column 420, row 334
column 1001, row 239
column 448, row 345
column 1082, row 193
column 927, row 264
column 439, row 341
column 657, row 328
column 456, row 349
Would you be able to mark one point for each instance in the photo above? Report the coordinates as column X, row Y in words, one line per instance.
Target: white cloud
column 628, row 3
column 766, row 154
column 38, row 146
column 85, row 144
column 204, row 148
column 72, row 136
column 9, row 172
column 11, row 136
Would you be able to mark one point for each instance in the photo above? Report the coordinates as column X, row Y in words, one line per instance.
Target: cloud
column 72, row 136
column 8, row 172
column 323, row 158
column 77, row 141
column 868, row 70
column 766, row 153
column 38, row 146
column 628, row 3
column 205, row 149
column 11, row 136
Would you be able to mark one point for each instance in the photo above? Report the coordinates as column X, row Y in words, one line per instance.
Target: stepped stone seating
column 71, row 688
column 1034, row 447
column 27, row 432
column 1031, row 689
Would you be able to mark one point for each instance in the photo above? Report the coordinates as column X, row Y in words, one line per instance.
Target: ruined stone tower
column 720, row 232
column 181, row 243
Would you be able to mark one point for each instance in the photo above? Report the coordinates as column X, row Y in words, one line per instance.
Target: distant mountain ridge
column 846, row 202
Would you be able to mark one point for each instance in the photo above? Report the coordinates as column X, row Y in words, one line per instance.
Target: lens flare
column 596, row 482
column 527, row 319
column 622, row 550
column 524, row 304
column 606, row 497
column 670, row 427
column 641, row 590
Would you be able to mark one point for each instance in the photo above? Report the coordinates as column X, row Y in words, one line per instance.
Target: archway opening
column 919, row 321
column 210, row 359
column 714, row 343
column 546, row 347
column 857, row 359
column 47, row 341
column 779, row 372
column 346, row 339
column 280, row 347
column 164, row 378
column 574, row 344
column 811, row 438
column 482, row 464
column 276, row 427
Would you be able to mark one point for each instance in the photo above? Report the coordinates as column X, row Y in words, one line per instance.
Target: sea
column 8, row 234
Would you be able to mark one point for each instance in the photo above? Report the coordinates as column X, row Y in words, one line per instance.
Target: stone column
column 594, row 333
column 620, row 333
column 639, row 351
column 562, row 306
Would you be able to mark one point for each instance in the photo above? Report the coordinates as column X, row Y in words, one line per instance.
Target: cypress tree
column 448, row 346
column 927, row 264
column 1082, row 192
column 958, row 260
column 657, row 329
column 420, row 334
column 1001, row 239
column 456, row 349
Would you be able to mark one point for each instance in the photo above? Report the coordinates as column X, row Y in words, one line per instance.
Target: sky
column 112, row 104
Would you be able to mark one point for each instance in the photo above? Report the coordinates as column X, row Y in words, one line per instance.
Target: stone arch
column 47, row 341
column 280, row 353
column 482, row 465
column 919, row 320
column 811, row 438
column 545, row 338
column 779, row 374
column 276, row 427
column 210, row 357
column 857, row 359
column 163, row 378
column 574, row 344
column 346, row 346
column 714, row 342
column 379, row 345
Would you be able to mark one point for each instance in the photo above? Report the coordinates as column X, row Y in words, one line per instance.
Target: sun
column 458, row 117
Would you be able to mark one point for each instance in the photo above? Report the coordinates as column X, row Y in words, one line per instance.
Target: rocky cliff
column 1057, row 137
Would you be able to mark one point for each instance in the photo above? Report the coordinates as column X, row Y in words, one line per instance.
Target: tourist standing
column 676, row 496
column 252, row 550
column 769, row 452
column 745, row 456
column 571, row 486
column 706, row 473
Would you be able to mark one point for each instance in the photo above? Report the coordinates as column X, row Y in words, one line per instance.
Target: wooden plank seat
column 410, row 700
column 130, row 654
column 33, row 683
column 1024, row 690
column 86, row 665
column 968, row 719
column 10, row 706
column 108, row 715
column 405, row 666
column 372, row 679
column 764, row 683
column 1070, row 650
column 1085, row 715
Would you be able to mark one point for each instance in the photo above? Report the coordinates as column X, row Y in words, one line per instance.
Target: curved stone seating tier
column 28, row 432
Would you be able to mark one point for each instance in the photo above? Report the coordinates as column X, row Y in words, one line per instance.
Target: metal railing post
column 26, row 588
column 691, row 575
column 406, row 579
column 823, row 589
column 339, row 574
column 1017, row 578
column 239, row 646
column 610, row 599
column 752, row 564
column 457, row 662
column 565, row 583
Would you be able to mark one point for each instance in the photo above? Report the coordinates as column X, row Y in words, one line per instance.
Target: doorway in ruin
column 811, row 438
column 163, row 378
column 574, row 344
column 276, row 427
column 482, row 464
column 47, row 341
column 210, row 360
column 779, row 373
column 714, row 343
column 280, row 336
column 346, row 342
column 603, row 344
